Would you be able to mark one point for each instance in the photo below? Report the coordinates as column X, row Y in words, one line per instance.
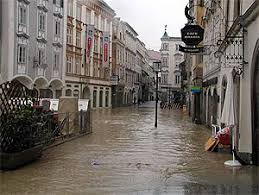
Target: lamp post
column 156, row 67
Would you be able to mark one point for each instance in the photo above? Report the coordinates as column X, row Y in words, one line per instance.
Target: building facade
column 171, row 57
column 130, row 63
column 32, row 45
column 153, row 56
column 230, row 71
column 118, row 63
column 89, row 51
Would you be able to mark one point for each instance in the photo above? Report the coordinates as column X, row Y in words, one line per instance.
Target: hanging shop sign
column 191, row 49
column 192, row 34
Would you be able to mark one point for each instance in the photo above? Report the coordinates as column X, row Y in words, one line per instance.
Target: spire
column 165, row 36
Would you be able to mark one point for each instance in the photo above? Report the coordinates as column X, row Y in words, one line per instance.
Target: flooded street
column 127, row 155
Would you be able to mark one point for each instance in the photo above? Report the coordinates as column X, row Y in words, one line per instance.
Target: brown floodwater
column 127, row 155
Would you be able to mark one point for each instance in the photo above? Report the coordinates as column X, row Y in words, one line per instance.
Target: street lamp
column 156, row 68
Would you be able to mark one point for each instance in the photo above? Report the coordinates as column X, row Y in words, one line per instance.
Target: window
column 101, row 98
column 78, row 38
column 94, row 98
column 42, row 22
column 164, row 61
column 41, row 56
column 78, row 12
column 102, row 24
column 108, row 26
column 22, row 15
column 88, row 16
column 95, row 73
column 69, row 35
column 96, row 21
column 70, row 8
column 21, row 54
column 69, row 64
column 101, row 45
column 56, row 61
column 57, row 28
column 165, row 46
column 106, row 98
column 177, row 79
column 95, row 44
column 68, row 92
column 78, row 65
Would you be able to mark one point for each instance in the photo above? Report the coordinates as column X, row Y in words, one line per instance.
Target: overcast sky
column 148, row 18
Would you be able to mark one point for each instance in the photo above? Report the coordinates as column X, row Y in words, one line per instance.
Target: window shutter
column 54, row 1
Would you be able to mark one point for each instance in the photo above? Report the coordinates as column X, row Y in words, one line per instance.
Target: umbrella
column 228, row 115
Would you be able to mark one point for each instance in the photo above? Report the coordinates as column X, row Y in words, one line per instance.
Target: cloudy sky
column 148, row 17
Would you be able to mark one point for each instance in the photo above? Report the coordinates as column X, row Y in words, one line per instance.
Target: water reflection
column 127, row 155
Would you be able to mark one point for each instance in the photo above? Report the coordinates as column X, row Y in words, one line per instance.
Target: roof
column 131, row 28
column 107, row 6
column 154, row 55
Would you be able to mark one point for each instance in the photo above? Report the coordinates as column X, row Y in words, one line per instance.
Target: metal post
column 156, row 98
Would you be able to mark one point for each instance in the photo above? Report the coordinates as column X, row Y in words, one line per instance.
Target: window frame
column 69, row 35
column 69, row 64
column 21, row 54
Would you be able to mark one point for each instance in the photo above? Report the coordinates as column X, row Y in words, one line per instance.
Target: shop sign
column 192, row 34
column 196, row 89
column 191, row 49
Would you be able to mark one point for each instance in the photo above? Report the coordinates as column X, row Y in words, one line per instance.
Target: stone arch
column 25, row 80
column 255, row 104
column 41, row 82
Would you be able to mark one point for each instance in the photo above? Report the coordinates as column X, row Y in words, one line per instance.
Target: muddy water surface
column 127, row 155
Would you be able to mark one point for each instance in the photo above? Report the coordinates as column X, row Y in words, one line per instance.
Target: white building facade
column 32, row 45
column 171, row 57
column 232, row 63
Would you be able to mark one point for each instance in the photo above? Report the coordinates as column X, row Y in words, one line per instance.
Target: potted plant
column 22, row 136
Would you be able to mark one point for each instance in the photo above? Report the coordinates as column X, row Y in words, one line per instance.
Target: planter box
column 10, row 161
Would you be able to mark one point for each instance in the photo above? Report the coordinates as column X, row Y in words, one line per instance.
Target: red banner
column 89, row 42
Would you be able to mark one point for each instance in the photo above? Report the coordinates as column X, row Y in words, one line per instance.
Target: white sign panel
column 83, row 104
column 54, row 104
